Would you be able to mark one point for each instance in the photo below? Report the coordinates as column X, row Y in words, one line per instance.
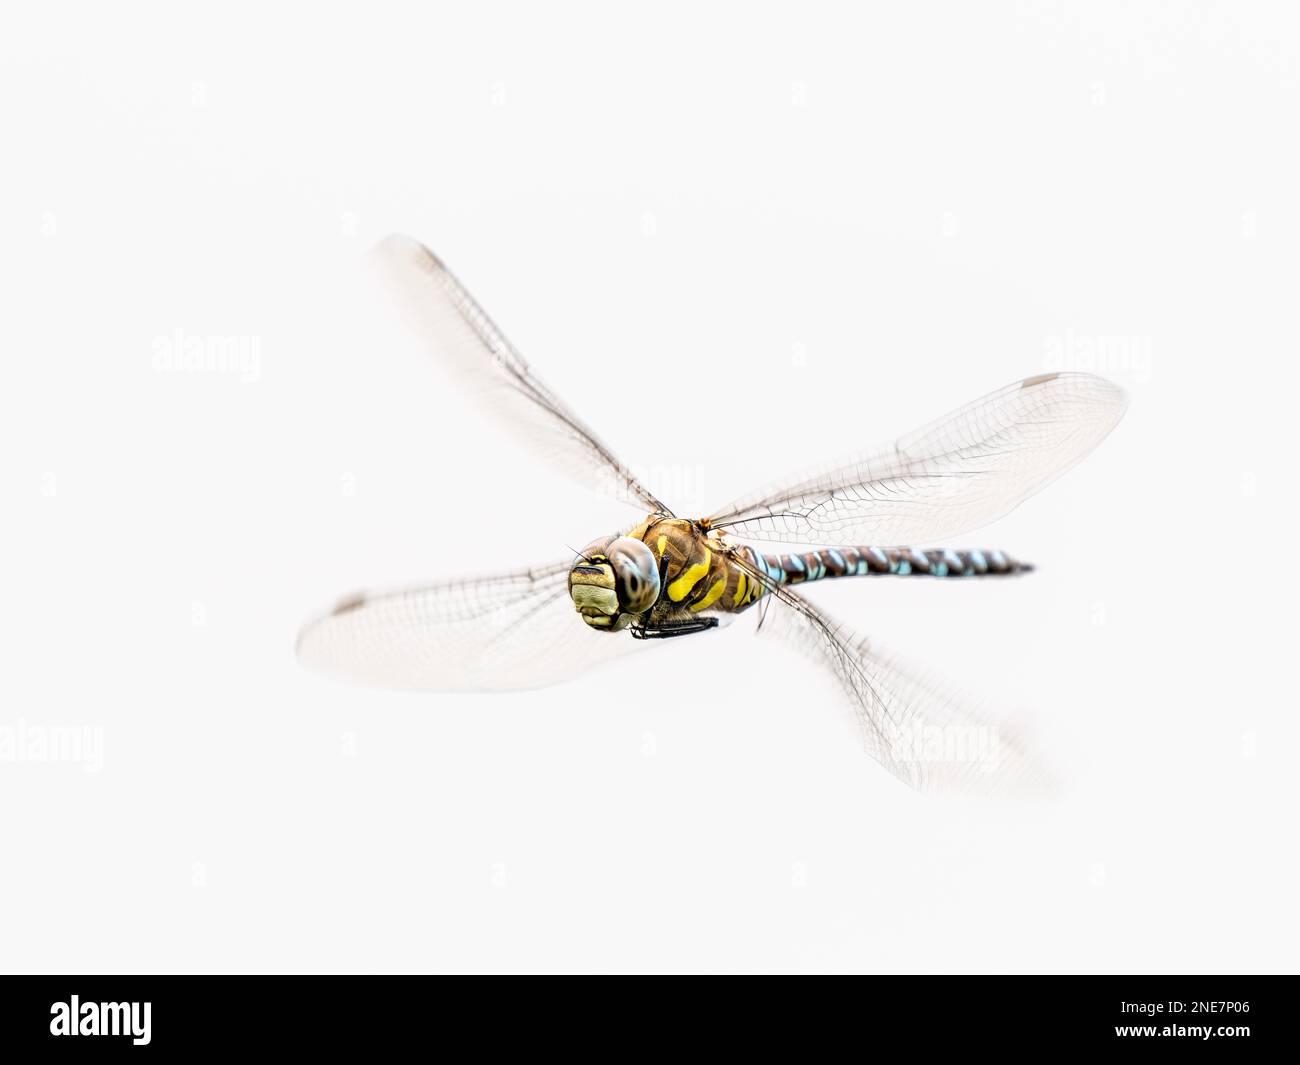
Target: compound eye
column 636, row 573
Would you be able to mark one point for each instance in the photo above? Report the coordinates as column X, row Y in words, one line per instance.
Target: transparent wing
column 515, row 630
column 487, row 364
column 925, row 732
column 955, row 475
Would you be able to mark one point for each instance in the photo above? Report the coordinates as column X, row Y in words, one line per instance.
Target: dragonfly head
column 613, row 581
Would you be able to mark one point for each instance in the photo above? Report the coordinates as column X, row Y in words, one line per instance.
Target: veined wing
column 515, row 630
column 487, row 363
column 913, row 723
column 955, row 475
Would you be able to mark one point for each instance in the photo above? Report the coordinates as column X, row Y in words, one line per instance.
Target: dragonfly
column 669, row 576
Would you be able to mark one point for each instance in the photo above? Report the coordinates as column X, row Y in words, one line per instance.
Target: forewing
column 487, row 365
column 955, row 475
column 511, row 631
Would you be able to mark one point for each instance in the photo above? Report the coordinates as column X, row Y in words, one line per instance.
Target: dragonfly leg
column 666, row 630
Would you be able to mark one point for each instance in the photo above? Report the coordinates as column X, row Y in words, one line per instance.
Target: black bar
column 384, row 1014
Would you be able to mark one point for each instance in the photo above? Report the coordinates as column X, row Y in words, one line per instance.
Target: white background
column 739, row 240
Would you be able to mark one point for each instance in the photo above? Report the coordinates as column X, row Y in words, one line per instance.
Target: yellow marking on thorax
column 713, row 594
column 681, row 587
column 660, row 545
column 740, row 589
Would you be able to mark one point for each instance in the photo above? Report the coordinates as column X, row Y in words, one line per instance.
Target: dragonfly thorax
column 615, row 580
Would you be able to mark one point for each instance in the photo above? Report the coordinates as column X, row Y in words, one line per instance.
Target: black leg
column 666, row 630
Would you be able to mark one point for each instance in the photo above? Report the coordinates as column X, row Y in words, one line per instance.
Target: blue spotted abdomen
column 797, row 567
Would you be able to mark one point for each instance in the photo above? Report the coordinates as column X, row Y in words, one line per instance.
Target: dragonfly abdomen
column 798, row 567
column 699, row 573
